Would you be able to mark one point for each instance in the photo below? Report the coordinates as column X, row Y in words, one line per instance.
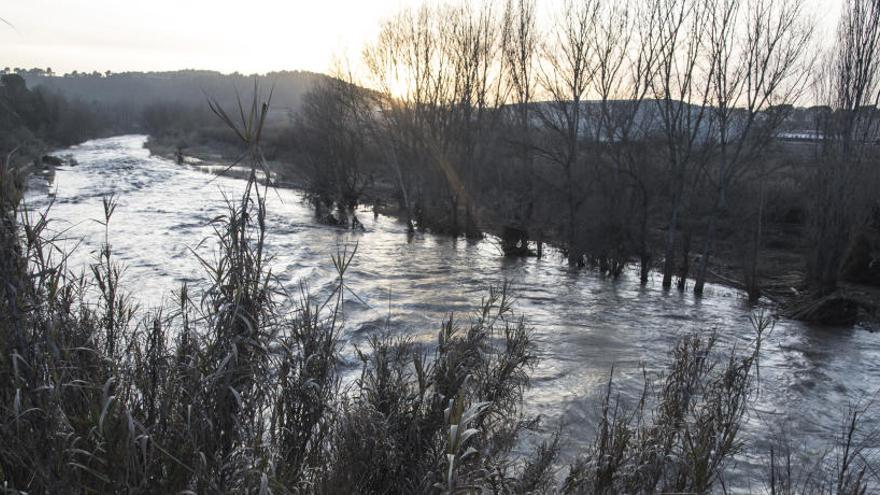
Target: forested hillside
column 41, row 108
column 139, row 90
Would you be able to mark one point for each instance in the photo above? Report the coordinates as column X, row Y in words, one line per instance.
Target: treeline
column 649, row 131
column 170, row 106
column 184, row 87
column 33, row 119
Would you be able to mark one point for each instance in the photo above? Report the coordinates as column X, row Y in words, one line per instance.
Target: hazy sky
column 226, row 35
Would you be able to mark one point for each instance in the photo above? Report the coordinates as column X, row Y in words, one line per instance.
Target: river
column 583, row 324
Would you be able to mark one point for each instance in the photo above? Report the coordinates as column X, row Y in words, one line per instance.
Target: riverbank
column 782, row 258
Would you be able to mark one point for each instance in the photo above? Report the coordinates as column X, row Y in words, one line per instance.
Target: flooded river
column 583, row 324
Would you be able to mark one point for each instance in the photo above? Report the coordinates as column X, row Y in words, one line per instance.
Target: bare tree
column 440, row 81
column 848, row 81
column 566, row 74
column 473, row 38
column 519, row 48
column 400, row 65
column 331, row 137
column 757, row 50
column 682, row 94
column 624, row 58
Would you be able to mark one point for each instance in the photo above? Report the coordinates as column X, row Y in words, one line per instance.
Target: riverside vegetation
column 31, row 120
column 664, row 135
column 228, row 393
column 661, row 134
column 647, row 132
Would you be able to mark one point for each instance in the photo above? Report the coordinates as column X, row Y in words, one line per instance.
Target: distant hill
column 799, row 123
column 138, row 90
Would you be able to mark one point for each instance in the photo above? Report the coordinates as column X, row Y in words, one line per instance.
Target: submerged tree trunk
column 644, row 268
column 669, row 255
column 539, row 249
column 575, row 256
column 708, row 244
column 685, row 260
column 471, row 229
column 753, row 285
column 453, row 209
column 515, row 242
column 406, row 205
column 644, row 251
column 703, row 267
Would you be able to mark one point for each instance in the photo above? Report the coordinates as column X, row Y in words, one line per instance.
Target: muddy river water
column 583, row 324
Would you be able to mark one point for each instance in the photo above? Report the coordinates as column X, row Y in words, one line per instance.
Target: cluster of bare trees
column 617, row 130
column 845, row 183
column 440, row 86
column 330, row 135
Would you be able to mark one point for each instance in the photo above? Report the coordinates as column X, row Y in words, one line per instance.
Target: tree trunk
column 404, row 197
column 575, row 257
column 753, row 286
column 644, row 253
column 471, row 231
column 703, row 267
column 540, row 246
column 685, row 260
column 644, row 268
column 669, row 255
column 713, row 220
column 453, row 222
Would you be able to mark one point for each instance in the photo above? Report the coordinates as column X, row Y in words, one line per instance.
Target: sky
column 245, row 36
column 248, row 36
